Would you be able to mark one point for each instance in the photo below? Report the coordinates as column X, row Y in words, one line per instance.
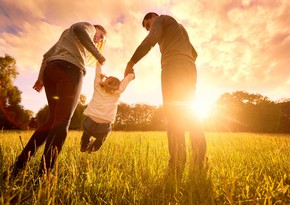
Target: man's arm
column 140, row 52
column 150, row 41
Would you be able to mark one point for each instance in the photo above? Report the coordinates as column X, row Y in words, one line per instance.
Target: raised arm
column 82, row 33
column 150, row 41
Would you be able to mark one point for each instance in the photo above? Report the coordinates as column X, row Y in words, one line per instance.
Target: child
column 102, row 109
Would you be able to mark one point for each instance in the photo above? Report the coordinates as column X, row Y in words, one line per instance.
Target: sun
column 202, row 107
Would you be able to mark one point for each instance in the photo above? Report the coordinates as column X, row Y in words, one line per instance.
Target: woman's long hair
column 101, row 44
column 91, row 60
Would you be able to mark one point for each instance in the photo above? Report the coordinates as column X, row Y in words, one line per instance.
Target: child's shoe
column 91, row 147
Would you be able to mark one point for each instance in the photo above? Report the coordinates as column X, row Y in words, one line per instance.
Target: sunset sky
column 242, row 44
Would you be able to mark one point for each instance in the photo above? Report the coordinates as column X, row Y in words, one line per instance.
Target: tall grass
column 131, row 168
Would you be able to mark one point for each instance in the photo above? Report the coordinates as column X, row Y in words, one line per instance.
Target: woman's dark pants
column 62, row 83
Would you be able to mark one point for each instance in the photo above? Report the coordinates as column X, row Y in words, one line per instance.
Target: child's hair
column 110, row 84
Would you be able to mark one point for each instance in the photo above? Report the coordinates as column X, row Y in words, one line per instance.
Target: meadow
column 131, row 168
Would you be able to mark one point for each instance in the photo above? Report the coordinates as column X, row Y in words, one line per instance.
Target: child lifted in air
column 102, row 109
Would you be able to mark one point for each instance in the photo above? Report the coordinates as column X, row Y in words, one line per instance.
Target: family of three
column 61, row 74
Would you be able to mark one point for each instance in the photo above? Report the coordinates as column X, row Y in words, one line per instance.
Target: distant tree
column 33, row 123
column 142, row 115
column 124, row 118
column 76, row 121
column 241, row 111
column 158, row 121
column 78, row 116
column 234, row 112
column 12, row 113
column 42, row 115
column 139, row 117
column 284, row 117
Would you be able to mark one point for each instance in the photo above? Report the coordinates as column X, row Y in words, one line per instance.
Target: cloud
column 242, row 44
column 248, row 45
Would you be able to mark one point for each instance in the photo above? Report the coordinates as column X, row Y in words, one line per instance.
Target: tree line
column 233, row 112
column 244, row 112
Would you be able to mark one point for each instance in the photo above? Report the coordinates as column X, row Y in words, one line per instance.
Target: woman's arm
column 82, row 33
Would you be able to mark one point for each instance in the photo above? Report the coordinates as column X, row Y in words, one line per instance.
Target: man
column 178, row 79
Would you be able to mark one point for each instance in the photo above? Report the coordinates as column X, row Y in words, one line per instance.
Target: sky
column 242, row 45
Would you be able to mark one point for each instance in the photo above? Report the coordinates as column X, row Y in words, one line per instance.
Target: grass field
column 131, row 168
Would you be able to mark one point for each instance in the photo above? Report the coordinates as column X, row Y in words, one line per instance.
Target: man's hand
column 129, row 68
column 38, row 85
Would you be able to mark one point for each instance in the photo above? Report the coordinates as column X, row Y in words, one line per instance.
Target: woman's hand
column 102, row 60
column 38, row 85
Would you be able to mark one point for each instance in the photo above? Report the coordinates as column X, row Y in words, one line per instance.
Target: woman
column 61, row 75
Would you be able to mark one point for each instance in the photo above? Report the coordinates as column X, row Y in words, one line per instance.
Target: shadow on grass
column 193, row 186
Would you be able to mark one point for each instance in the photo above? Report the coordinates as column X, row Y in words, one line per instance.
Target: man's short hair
column 148, row 16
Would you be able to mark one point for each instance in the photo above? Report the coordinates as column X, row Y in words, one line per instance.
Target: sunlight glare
column 202, row 108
